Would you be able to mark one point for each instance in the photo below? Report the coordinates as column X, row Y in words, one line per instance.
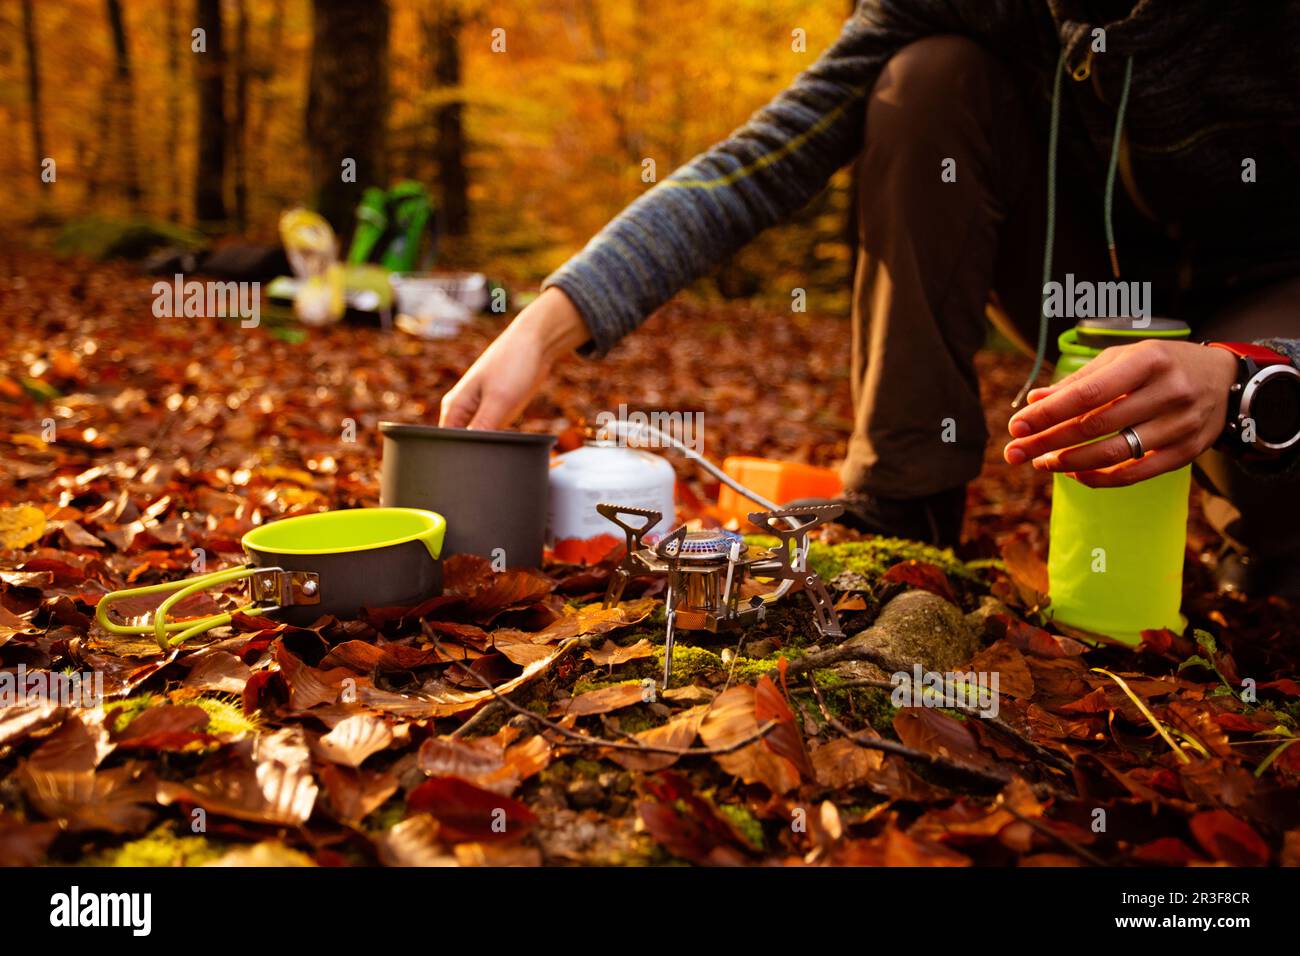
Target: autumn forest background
column 527, row 150
column 138, row 448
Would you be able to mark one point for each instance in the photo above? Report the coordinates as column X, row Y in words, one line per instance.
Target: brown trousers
column 935, row 254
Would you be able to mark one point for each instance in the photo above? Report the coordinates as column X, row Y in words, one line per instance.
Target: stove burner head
column 706, row 580
column 703, row 545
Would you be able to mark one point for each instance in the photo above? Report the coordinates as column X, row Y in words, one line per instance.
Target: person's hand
column 501, row 382
column 1173, row 394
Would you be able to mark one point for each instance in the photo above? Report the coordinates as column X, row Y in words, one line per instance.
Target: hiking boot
column 935, row 519
column 1239, row 572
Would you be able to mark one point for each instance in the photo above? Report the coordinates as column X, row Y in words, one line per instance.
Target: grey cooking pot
column 491, row 485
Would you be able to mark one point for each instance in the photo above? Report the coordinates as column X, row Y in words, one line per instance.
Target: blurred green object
column 367, row 285
column 290, row 334
column 391, row 227
column 101, row 237
column 390, row 237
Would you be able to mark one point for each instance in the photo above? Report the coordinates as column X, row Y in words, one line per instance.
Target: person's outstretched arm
column 494, row 390
column 706, row 210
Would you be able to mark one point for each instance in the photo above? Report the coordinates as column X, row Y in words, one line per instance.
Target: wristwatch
column 1263, row 404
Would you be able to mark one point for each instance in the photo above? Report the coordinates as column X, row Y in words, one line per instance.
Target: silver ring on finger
column 1134, row 442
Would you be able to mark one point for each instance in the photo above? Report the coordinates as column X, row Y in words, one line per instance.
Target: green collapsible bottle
column 1115, row 561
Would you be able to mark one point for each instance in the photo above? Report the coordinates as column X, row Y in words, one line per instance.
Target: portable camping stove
column 706, row 570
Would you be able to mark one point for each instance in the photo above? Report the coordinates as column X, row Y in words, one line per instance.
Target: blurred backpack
column 395, row 228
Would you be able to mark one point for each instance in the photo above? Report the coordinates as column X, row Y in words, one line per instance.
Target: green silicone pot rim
column 354, row 529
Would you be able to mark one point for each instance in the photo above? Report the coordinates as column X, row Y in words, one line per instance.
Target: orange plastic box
column 778, row 481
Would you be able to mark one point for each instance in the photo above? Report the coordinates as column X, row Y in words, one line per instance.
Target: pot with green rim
column 301, row 568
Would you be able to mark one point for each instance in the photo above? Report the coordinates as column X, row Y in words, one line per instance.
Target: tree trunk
column 210, row 176
column 239, row 116
column 33, row 82
column 347, row 104
column 453, row 178
column 266, row 98
column 174, row 40
column 122, row 105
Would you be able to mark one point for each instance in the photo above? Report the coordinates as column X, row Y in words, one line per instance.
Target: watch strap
column 1259, row 354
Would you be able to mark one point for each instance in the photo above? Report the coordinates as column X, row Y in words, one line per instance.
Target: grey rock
column 918, row 627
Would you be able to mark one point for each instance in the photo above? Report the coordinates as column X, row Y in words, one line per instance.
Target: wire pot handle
column 265, row 583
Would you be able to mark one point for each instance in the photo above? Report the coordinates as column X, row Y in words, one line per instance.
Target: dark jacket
column 1214, row 84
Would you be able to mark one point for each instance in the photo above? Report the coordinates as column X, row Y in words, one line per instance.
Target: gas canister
column 602, row 471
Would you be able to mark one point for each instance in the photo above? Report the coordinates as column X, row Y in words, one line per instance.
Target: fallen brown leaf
column 355, row 738
column 468, row 813
column 601, row 701
column 842, row 765
column 678, row 733
column 353, row 794
column 610, row 654
column 731, row 719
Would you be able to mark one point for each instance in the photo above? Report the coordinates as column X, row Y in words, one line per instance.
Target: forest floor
column 509, row 721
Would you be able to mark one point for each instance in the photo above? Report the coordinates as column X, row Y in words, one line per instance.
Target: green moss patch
column 160, row 847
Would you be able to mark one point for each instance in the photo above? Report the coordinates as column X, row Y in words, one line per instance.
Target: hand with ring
column 1158, row 404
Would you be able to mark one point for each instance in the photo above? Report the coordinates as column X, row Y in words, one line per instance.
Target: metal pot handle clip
column 269, row 589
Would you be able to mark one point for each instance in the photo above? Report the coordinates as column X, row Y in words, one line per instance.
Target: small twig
column 589, row 740
column 735, row 656
column 1034, row 824
column 585, row 740
column 1052, row 834
column 1042, row 753
column 999, row 777
column 836, row 655
column 482, row 716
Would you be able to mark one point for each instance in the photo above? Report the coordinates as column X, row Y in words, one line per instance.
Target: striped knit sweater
column 1209, row 89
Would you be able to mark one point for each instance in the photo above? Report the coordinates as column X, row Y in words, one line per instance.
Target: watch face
column 1275, row 408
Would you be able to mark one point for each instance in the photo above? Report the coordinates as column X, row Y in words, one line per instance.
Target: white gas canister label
column 604, row 473
column 574, row 515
